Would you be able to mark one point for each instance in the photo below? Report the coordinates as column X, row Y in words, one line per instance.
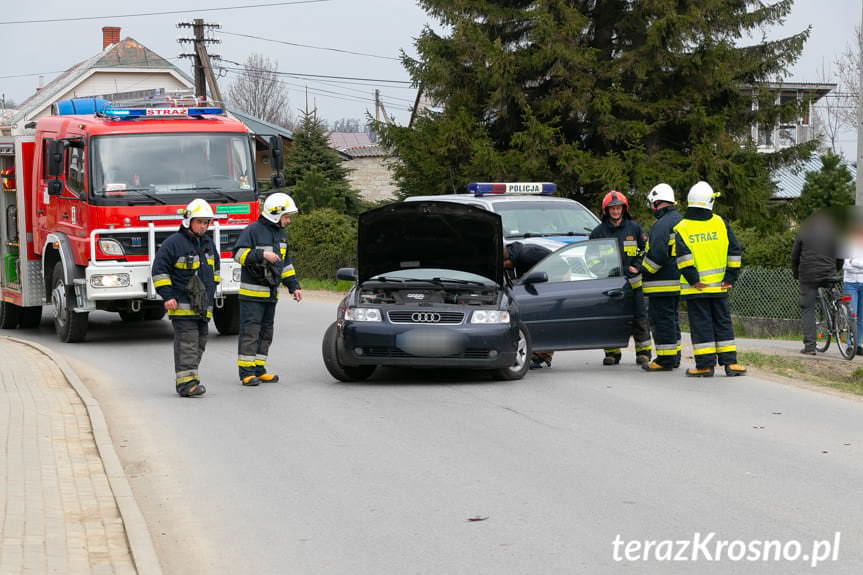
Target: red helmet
column 614, row 198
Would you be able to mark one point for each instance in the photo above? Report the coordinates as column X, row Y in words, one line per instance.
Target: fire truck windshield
column 171, row 168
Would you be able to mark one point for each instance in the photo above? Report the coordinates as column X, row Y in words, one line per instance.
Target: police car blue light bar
column 512, row 188
column 162, row 112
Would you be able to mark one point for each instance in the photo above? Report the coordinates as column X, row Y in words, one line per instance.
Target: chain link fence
column 771, row 293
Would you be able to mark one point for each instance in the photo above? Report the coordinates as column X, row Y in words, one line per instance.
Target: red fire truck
column 96, row 189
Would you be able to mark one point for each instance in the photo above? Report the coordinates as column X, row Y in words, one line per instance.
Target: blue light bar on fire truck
column 512, row 188
column 162, row 112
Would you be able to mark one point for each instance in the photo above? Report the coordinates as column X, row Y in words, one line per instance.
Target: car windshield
column 550, row 218
column 437, row 275
column 172, row 168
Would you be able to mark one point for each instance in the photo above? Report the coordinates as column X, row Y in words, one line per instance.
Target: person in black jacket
column 816, row 263
column 617, row 223
column 185, row 274
column 262, row 250
column 662, row 280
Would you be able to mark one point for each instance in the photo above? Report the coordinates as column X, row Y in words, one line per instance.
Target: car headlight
column 236, row 274
column 111, row 247
column 489, row 316
column 362, row 314
column 109, row 280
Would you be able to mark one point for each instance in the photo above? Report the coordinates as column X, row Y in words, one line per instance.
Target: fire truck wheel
column 31, row 317
column 71, row 326
column 227, row 317
column 10, row 315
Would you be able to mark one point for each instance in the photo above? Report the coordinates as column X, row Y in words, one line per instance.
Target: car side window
column 588, row 260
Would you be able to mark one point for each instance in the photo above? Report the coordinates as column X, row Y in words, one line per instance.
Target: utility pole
column 858, row 200
column 204, row 75
column 377, row 106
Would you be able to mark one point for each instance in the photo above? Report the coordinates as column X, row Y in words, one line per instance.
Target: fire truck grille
column 135, row 244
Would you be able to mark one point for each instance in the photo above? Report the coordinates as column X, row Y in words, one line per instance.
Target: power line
column 312, row 47
column 167, row 12
column 302, row 75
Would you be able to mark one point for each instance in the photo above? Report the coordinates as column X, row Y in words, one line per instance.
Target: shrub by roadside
column 842, row 375
column 321, row 242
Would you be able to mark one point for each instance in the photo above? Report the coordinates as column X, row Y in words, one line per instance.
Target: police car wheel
column 522, row 358
column 334, row 366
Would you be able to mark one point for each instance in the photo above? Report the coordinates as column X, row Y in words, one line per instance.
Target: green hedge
column 321, row 242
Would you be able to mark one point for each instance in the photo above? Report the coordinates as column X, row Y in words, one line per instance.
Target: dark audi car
column 430, row 291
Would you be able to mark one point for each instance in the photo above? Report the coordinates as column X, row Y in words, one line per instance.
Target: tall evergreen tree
column 830, row 187
column 597, row 95
column 314, row 173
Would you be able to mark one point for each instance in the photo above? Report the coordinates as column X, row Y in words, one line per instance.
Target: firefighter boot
column 251, row 381
column 612, row 357
column 269, row 377
column 699, row 372
column 191, row 389
column 734, row 370
column 642, row 359
column 653, row 366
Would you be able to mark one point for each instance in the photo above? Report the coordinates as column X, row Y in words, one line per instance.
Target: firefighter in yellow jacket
column 709, row 259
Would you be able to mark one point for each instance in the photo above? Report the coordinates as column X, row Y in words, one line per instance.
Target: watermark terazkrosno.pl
column 709, row 547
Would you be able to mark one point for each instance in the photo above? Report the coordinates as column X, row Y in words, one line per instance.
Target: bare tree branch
column 259, row 92
column 848, row 72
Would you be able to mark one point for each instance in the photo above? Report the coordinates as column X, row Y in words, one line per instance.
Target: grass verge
column 843, row 376
column 325, row 285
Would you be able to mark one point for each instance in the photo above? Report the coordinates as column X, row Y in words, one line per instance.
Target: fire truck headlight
column 109, row 280
column 236, row 274
column 111, row 247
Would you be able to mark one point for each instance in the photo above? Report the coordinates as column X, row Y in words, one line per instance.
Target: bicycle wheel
column 844, row 332
column 822, row 325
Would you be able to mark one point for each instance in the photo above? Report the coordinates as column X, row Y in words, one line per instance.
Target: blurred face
column 199, row 226
column 615, row 212
column 285, row 220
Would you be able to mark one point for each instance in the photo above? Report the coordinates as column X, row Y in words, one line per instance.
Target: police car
column 430, row 291
column 530, row 212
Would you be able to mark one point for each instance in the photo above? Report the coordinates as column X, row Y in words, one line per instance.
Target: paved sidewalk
column 59, row 514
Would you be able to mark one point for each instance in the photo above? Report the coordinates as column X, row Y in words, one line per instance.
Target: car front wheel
column 346, row 373
column 522, row 358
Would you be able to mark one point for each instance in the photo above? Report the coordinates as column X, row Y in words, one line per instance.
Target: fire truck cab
column 97, row 189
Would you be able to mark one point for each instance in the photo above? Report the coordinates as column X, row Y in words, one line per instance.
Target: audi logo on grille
column 425, row 317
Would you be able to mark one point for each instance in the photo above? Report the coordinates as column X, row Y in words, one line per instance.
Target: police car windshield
column 434, row 275
column 175, row 168
column 544, row 218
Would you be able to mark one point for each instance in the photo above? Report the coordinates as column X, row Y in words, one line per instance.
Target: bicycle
column 832, row 319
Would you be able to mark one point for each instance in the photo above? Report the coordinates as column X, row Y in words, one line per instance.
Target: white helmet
column 278, row 204
column 701, row 195
column 661, row 193
column 197, row 208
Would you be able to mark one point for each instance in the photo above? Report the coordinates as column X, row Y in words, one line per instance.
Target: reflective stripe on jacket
column 661, row 275
column 180, row 257
column 260, row 236
column 707, row 252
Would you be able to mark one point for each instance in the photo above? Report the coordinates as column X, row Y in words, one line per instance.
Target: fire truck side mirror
column 56, row 148
column 277, row 154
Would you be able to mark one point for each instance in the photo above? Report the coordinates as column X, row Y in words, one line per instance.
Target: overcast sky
column 380, row 27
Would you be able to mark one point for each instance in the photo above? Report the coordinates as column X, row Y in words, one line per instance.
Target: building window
column 765, row 136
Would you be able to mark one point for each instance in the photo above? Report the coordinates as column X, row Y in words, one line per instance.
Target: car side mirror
column 535, row 278
column 56, row 149
column 347, row 274
column 55, row 187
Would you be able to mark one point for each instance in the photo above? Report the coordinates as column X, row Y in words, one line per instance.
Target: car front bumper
column 468, row 346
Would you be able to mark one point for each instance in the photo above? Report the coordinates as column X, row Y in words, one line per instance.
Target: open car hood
column 411, row 235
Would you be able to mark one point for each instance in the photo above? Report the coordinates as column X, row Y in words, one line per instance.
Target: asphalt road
column 311, row 476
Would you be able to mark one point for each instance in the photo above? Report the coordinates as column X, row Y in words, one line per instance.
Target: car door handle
column 613, row 293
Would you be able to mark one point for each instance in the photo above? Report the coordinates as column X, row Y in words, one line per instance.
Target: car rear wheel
column 522, row 358
column 341, row 372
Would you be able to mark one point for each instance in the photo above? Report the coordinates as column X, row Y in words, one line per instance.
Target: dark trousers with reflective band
column 712, row 331
column 640, row 327
column 665, row 325
column 190, row 340
column 256, row 335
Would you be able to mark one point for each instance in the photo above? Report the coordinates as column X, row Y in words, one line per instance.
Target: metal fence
column 766, row 293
